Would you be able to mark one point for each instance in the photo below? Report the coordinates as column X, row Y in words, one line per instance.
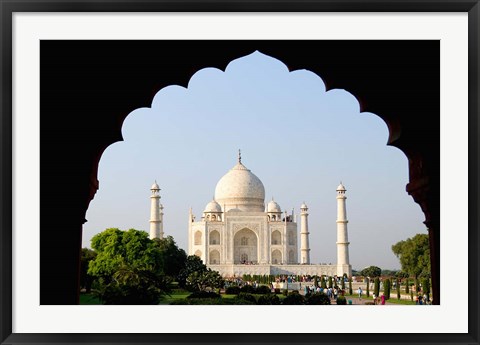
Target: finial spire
column 239, row 156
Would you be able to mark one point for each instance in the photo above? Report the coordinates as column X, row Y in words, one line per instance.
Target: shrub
column 268, row 299
column 294, row 298
column 406, row 286
column 330, row 282
column 203, row 294
column 341, row 300
column 232, row 290
column 246, row 297
column 262, row 290
column 285, row 292
column 277, row 291
column 368, row 287
column 350, row 290
column 247, row 289
column 317, row 299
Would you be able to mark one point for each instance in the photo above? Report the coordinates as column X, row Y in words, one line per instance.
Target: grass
column 89, row 299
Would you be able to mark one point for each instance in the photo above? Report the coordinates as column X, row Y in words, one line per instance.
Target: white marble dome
column 273, row 207
column 240, row 188
column 155, row 186
column 213, row 206
column 341, row 187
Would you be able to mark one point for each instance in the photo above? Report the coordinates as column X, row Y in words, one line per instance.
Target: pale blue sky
column 298, row 139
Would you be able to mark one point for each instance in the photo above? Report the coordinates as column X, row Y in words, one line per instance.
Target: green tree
column 323, row 283
column 204, row 280
column 397, row 283
column 86, row 279
column 414, row 255
column 350, row 290
column 386, row 288
column 376, row 287
column 330, row 282
column 173, row 258
column 368, row 286
column 372, row 272
column 192, row 264
column 407, row 283
column 128, row 268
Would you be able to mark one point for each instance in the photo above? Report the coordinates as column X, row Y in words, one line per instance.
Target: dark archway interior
column 87, row 89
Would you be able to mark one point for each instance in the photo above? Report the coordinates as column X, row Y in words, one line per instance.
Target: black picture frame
column 9, row 7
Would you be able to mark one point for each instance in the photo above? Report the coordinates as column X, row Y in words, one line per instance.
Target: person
column 374, row 298
column 360, row 292
column 383, row 299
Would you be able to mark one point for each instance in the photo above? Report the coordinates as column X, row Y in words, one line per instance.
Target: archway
column 276, row 238
column 276, row 257
column 214, row 237
column 197, row 238
column 245, row 247
column 413, row 129
column 214, row 257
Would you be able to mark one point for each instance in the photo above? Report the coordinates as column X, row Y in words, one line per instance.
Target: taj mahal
column 237, row 234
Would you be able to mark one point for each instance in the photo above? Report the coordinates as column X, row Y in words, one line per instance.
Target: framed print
column 73, row 72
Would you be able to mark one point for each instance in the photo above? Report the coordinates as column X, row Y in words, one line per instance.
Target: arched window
column 276, row 257
column 291, row 257
column 276, row 237
column 214, row 217
column 274, row 218
column 214, row 257
column 208, row 218
column 198, row 238
column 214, row 237
column 244, row 241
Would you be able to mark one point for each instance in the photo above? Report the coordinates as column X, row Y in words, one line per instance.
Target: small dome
column 155, row 186
column 212, row 206
column 273, row 207
column 341, row 187
column 304, row 205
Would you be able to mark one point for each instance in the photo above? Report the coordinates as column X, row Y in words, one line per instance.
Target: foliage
column 268, row 299
column 426, row 285
column 203, row 280
column 247, row 289
column 368, row 287
column 294, row 298
column 371, row 271
column 341, row 300
column 407, row 285
column 203, row 294
column 317, row 299
column 262, row 290
column 376, row 287
column 173, row 258
column 246, row 297
column 414, row 255
column 323, row 283
column 86, row 279
column 398, row 288
column 232, row 290
column 350, row 290
column 401, row 274
column 315, row 281
column 192, row 264
column 386, row 288
column 128, row 268
column 330, row 282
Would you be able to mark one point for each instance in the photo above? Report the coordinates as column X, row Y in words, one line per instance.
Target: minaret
column 305, row 246
column 343, row 263
column 156, row 214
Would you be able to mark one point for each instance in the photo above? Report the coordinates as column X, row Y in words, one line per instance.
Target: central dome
column 240, row 188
